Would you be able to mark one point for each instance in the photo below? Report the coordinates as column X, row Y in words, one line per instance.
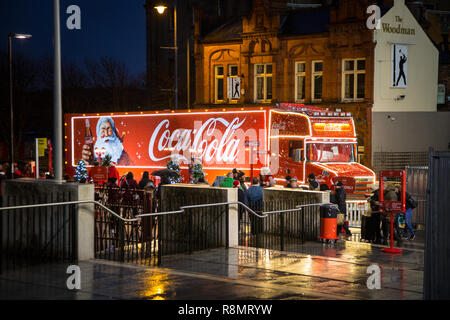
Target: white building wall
column 422, row 65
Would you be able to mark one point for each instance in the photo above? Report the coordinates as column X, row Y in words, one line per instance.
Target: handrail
column 28, row 206
column 182, row 209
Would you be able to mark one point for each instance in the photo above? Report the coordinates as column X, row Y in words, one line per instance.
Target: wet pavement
column 314, row 271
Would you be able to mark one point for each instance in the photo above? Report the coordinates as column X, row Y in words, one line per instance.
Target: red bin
column 328, row 221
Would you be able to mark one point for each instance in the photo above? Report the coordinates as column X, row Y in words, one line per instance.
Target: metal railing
column 147, row 236
column 355, row 210
column 416, row 186
column 38, row 233
column 285, row 228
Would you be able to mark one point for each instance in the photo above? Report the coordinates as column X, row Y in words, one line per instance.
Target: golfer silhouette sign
column 399, row 66
column 234, row 88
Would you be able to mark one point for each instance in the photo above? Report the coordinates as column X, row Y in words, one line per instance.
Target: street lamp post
column 10, row 37
column 161, row 8
column 57, row 105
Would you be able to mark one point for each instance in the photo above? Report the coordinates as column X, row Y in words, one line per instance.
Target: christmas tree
column 81, row 171
column 198, row 171
column 174, row 166
column 106, row 161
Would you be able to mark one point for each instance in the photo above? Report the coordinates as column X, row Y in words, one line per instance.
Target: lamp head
column 20, row 36
column 160, row 8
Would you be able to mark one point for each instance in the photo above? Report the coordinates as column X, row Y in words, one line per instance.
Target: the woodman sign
column 399, row 29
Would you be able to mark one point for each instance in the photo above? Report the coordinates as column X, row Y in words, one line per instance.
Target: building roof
column 300, row 21
column 229, row 31
column 306, row 21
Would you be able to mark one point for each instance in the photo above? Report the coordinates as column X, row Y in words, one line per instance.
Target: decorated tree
column 174, row 166
column 198, row 171
column 81, row 171
column 106, row 161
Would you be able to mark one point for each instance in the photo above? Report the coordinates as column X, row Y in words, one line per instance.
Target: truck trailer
column 286, row 139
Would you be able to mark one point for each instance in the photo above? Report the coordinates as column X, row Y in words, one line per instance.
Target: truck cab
column 318, row 141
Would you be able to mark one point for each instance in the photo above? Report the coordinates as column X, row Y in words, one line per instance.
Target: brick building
column 314, row 55
column 255, row 52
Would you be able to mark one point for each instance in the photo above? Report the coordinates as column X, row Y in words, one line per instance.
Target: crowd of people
column 21, row 170
column 379, row 221
column 376, row 228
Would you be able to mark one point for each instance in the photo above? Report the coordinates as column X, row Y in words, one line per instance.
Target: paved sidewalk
column 320, row 271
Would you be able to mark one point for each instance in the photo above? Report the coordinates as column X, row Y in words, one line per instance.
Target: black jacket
column 373, row 199
column 339, row 199
column 408, row 201
column 242, row 197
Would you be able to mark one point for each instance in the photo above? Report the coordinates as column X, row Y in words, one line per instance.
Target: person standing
column 389, row 194
column 292, row 183
column 312, row 182
column 288, row 180
column 228, row 181
column 255, row 199
column 340, row 197
column 129, row 182
column 410, row 204
column 112, row 172
column 380, row 216
column 144, row 180
column 376, row 215
column 242, row 198
column 255, row 195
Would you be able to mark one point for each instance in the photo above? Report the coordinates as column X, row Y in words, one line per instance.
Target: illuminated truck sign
column 286, row 140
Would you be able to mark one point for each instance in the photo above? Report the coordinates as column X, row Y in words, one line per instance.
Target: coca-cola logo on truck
column 222, row 149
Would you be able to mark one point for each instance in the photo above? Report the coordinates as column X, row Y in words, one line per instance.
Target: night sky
column 114, row 28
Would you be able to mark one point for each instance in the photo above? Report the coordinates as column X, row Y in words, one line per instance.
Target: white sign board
column 399, row 76
column 234, row 88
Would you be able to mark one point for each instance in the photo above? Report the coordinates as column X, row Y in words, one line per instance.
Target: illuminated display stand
column 393, row 207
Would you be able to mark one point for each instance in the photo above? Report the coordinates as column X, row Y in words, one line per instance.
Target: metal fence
column 416, row 185
column 286, row 225
column 398, row 160
column 123, row 237
column 199, row 227
column 437, row 237
column 140, row 235
column 32, row 234
column 127, row 230
column 355, row 210
column 144, row 237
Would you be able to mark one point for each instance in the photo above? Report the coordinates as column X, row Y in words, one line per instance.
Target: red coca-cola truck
column 289, row 139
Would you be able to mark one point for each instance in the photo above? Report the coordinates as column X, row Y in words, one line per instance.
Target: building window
column 353, row 79
column 296, row 149
column 263, row 82
column 317, row 75
column 232, row 73
column 232, row 70
column 218, row 84
column 300, row 76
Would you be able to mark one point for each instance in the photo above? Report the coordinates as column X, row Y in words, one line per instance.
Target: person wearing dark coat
column 129, row 182
column 145, row 181
column 255, row 199
column 242, row 196
column 376, row 215
column 340, row 198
